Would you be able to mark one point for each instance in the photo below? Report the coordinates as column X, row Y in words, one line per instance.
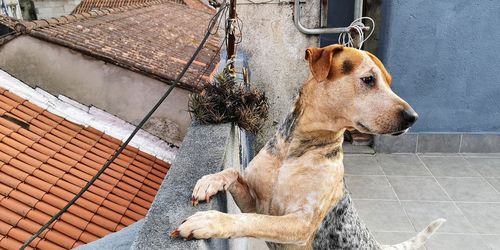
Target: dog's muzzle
column 408, row 118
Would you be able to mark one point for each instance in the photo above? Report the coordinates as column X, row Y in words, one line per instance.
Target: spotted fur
column 347, row 67
column 343, row 229
column 308, row 144
column 288, row 126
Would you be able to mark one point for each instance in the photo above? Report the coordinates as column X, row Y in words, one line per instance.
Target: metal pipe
column 313, row 31
column 358, row 13
column 231, row 39
column 323, row 23
column 358, row 9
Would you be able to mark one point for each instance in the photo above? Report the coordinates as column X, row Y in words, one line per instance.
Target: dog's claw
column 194, row 201
column 175, row 233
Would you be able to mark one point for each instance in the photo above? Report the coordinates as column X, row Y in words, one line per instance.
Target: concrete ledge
column 121, row 240
column 206, row 149
column 439, row 143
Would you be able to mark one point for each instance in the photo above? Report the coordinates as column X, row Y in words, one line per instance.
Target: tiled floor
column 398, row 195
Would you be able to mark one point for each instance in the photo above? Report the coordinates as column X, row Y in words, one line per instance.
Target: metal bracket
column 358, row 10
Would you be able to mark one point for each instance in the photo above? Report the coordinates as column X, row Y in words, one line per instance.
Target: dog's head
column 354, row 86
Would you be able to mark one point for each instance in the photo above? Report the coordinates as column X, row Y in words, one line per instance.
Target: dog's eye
column 369, row 80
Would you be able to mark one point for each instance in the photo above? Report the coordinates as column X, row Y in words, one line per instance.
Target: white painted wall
column 53, row 8
column 119, row 91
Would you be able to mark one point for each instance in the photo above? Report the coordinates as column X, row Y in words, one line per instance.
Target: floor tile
column 492, row 241
column 393, row 238
column 362, row 165
column 487, row 167
column 383, row 215
column 485, row 217
column 456, row 242
column 417, row 188
column 423, row 199
column 402, row 164
column 423, row 213
column 481, row 155
column 439, row 155
column 448, row 166
column 370, row 187
column 469, row 189
column 495, row 182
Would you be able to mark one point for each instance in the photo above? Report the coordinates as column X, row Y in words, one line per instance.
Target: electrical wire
column 216, row 54
column 358, row 26
column 212, row 59
column 212, row 23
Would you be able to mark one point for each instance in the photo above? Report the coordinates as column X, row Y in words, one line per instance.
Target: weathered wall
column 444, row 57
column 275, row 51
column 52, row 8
column 119, row 91
column 13, row 9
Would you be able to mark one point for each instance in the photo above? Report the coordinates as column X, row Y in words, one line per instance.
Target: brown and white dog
column 294, row 186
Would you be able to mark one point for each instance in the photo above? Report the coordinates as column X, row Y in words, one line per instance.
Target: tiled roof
column 199, row 5
column 8, row 21
column 155, row 39
column 89, row 5
column 46, row 159
column 7, row 31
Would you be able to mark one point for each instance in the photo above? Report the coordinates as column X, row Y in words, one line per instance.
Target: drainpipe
column 358, row 9
column 358, row 12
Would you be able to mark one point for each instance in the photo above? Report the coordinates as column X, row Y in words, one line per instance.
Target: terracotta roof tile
column 44, row 166
column 169, row 33
column 30, row 135
column 89, row 5
column 27, row 110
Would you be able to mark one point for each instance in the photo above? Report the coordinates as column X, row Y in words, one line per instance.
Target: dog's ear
column 320, row 61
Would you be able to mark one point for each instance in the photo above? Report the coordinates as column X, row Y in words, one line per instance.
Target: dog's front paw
column 204, row 225
column 208, row 186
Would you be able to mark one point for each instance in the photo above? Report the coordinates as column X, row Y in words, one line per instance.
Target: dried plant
column 226, row 100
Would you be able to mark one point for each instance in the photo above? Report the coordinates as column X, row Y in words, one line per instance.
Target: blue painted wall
column 444, row 57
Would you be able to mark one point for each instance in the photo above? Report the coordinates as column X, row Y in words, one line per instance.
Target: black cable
column 212, row 23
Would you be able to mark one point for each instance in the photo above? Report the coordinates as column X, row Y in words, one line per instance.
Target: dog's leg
column 287, row 229
column 229, row 179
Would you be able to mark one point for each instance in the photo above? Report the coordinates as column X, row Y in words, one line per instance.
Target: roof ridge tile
column 28, row 26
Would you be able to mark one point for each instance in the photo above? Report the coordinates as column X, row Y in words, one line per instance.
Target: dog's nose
column 409, row 117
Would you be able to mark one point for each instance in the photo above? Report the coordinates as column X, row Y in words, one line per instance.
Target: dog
column 292, row 194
